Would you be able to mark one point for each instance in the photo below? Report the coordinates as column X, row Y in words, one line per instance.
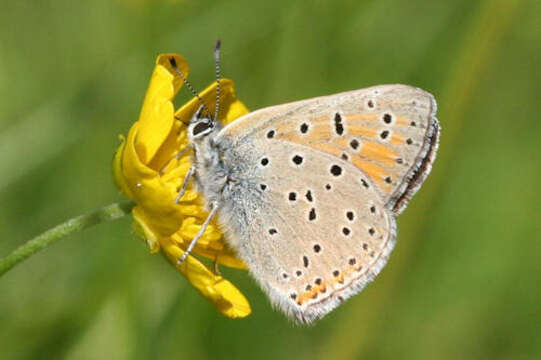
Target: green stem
column 79, row 223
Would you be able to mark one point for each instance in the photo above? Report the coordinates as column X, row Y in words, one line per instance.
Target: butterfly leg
column 199, row 234
column 177, row 156
column 182, row 190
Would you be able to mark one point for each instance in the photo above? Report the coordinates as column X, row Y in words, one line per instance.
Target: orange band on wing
column 352, row 118
column 397, row 139
column 362, row 131
column 378, row 152
column 376, row 172
column 314, row 292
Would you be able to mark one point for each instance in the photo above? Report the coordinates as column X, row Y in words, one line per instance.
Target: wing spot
column 308, row 287
column 384, row 134
column 399, row 161
column 293, row 296
column 285, row 276
column 409, row 141
column 365, row 246
column 371, row 231
column 338, row 126
column 312, row 214
column 297, row 159
column 345, row 156
column 328, row 187
column 373, row 209
column 352, row 261
column 354, row 144
column 388, row 180
column 305, row 261
column 317, row 248
column 263, row 187
column 298, row 273
column 273, row 231
column 370, row 104
column 309, row 196
column 304, row 128
column 346, row 231
column 387, row 118
column 336, row 170
column 365, row 184
column 292, row 196
column 350, row 215
column 336, row 273
column 318, row 281
column 264, row 161
column 271, row 134
column 413, row 123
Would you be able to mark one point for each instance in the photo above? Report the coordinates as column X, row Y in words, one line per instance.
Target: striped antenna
column 217, row 70
column 173, row 63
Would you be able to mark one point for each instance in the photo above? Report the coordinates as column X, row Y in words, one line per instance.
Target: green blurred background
column 463, row 280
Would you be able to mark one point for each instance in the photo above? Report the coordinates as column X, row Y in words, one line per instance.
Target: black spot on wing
column 338, row 126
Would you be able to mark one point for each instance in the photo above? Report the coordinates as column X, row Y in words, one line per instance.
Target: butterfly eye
column 201, row 127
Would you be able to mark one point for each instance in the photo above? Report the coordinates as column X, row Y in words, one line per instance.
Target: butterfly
column 308, row 192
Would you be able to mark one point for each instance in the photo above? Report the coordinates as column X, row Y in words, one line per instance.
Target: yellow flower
column 146, row 170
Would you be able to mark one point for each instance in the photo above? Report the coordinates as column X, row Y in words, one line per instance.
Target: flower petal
column 149, row 191
column 141, row 227
column 220, row 292
column 211, row 245
column 156, row 118
column 118, row 175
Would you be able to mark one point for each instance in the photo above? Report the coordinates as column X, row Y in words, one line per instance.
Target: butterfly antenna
column 217, row 70
column 173, row 63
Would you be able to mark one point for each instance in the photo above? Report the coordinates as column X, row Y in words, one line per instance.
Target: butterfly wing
column 310, row 232
column 314, row 218
column 390, row 132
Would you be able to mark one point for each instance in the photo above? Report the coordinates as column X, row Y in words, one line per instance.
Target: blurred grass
column 461, row 282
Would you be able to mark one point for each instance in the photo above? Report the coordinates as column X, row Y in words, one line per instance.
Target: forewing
column 389, row 132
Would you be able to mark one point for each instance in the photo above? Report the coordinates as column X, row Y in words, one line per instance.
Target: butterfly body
column 307, row 192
